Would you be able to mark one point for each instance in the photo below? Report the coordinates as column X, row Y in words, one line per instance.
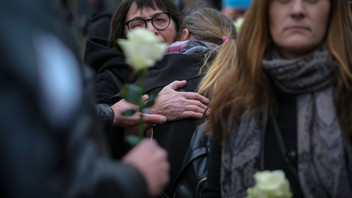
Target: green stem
column 141, row 104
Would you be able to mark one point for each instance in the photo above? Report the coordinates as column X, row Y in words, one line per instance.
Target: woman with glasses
column 203, row 32
column 160, row 16
column 163, row 18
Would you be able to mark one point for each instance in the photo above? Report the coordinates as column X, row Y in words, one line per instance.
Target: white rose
column 270, row 184
column 142, row 49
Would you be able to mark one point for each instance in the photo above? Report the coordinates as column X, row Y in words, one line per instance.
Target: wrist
column 106, row 115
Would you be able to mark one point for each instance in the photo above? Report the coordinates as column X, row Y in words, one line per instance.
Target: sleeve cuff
column 106, row 115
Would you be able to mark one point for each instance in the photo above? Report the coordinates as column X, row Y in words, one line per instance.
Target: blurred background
column 79, row 12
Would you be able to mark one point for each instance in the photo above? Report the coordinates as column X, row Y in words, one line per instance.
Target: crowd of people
column 276, row 95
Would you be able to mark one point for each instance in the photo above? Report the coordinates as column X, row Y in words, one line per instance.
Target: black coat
column 109, row 64
column 174, row 136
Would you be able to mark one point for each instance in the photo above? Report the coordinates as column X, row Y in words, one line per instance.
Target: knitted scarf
column 190, row 47
column 322, row 167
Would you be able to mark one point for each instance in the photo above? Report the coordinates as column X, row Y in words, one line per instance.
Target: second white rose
column 270, row 184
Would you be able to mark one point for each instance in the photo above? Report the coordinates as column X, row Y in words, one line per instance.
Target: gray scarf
column 322, row 168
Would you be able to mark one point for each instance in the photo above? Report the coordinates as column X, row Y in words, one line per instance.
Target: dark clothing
column 50, row 142
column 174, row 136
column 175, row 67
column 108, row 63
column 106, row 115
column 112, row 74
column 287, row 123
column 112, row 70
column 273, row 159
column 98, row 30
column 212, row 186
column 172, row 67
column 193, row 174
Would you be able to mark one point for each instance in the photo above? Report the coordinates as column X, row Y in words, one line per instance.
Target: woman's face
column 298, row 26
column 168, row 35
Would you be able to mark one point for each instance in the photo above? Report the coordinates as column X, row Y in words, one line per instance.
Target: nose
column 151, row 27
column 298, row 9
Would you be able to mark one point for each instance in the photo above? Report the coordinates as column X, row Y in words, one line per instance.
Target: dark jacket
column 109, row 64
column 174, row 136
column 51, row 144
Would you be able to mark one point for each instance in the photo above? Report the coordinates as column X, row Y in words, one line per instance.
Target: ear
column 185, row 35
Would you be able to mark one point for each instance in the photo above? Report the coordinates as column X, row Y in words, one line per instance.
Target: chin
column 301, row 45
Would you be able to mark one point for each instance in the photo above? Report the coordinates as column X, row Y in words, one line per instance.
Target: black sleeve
column 51, row 144
column 98, row 28
column 212, row 187
column 107, row 84
column 106, row 115
column 111, row 70
column 109, row 64
column 46, row 155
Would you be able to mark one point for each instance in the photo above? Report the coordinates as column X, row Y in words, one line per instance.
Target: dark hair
column 117, row 28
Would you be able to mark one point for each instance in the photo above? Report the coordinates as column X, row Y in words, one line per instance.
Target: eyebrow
column 138, row 17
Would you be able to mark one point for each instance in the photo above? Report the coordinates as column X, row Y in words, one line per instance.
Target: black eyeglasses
column 160, row 21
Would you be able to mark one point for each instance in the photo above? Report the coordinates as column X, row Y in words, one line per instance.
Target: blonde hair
column 246, row 87
column 210, row 25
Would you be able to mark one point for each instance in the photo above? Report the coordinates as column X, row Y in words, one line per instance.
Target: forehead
column 144, row 12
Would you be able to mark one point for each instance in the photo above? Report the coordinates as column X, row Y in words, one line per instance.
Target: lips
column 297, row 28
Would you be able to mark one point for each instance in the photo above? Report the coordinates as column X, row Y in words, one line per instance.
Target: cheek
column 275, row 30
column 274, row 21
column 126, row 31
column 169, row 34
column 320, row 32
column 320, row 26
column 320, row 19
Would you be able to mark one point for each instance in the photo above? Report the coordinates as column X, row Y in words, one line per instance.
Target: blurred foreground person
column 287, row 102
column 50, row 143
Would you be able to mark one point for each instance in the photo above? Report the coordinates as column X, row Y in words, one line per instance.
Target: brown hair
column 246, row 87
column 117, row 26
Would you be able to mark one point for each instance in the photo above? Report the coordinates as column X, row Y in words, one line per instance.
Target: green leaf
column 131, row 93
column 129, row 112
column 151, row 100
column 133, row 140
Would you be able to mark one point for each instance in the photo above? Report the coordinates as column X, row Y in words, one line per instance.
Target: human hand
column 151, row 160
column 126, row 121
column 178, row 105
